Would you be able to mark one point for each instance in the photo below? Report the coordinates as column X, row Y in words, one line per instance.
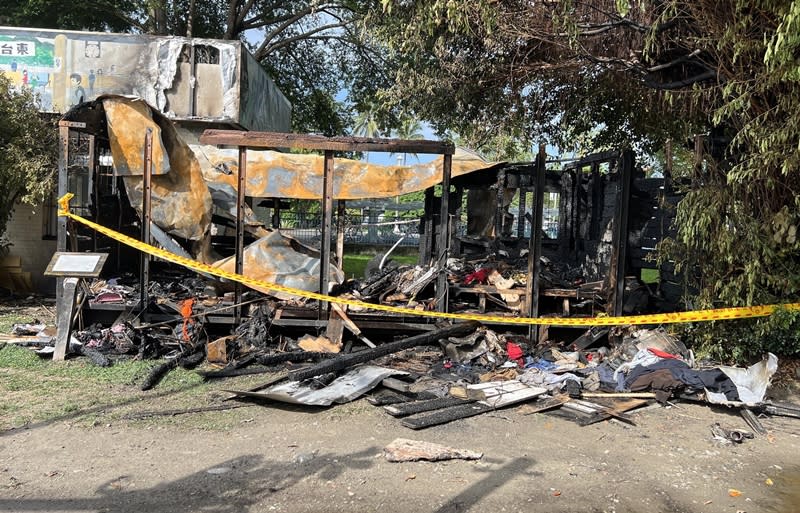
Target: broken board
column 445, row 415
column 499, row 394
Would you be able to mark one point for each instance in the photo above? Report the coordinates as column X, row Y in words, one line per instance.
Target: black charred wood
column 96, row 357
column 293, row 356
column 184, row 359
column 157, row 373
column 349, row 360
column 410, row 408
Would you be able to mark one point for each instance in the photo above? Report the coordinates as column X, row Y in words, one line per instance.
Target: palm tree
column 366, row 123
column 410, row 129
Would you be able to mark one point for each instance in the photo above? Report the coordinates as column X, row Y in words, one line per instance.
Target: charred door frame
column 278, row 140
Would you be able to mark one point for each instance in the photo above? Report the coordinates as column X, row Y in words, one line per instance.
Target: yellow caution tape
column 743, row 312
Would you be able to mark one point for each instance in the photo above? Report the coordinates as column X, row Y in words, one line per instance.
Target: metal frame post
column 535, row 245
column 499, row 216
column 327, row 221
column 241, row 180
column 63, row 182
column 340, row 228
column 620, row 236
column 147, row 177
column 443, row 244
column 91, row 170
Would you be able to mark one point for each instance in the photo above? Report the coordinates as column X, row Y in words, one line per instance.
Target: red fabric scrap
column 515, row 353
column 480, row 276
column 662, row 354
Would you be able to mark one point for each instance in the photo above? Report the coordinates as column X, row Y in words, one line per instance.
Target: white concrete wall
column 25, row 230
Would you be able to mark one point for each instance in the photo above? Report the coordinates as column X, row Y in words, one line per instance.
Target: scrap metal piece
column 272, row 174
column 181, row 202
column 751, row 383
column 279, row 259
column 344, row 389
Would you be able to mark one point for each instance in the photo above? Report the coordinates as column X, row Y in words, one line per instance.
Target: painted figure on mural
column 24, row 78
column 78, row 94
column 91, row 78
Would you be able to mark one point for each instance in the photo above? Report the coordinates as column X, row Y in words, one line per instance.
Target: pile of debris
column 451, row 371
column 475, row 370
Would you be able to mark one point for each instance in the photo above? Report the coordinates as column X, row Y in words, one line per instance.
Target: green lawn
column 354, row 265
column 650, row 275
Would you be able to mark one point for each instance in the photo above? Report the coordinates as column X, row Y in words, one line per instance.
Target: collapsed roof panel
column 272, row 174
column 181, row 201
column 194, row 79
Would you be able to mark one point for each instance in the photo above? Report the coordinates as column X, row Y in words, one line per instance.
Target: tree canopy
column 634, row 73
column 315, row 50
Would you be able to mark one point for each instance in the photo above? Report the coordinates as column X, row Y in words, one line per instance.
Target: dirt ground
column 292, row 460
column 267, row 457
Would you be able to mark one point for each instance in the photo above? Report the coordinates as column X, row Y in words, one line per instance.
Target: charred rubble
column 487, row 246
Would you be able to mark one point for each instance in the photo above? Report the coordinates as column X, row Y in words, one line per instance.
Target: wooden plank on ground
column 410, row 408
column 545, row 404
column 445, row 415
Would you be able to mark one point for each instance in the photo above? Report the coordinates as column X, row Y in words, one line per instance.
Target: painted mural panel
column 197, row 79
column 63, row 71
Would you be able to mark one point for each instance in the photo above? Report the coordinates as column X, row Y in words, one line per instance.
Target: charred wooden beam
column 410, row 408
column 319, row 142
column 348, row 360
column 620, row 235
column 445, row 415
column 535, row 246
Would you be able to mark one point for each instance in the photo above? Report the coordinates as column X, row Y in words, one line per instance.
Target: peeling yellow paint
column 181, row 202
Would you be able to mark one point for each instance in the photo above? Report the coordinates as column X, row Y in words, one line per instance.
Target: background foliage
column 503, row 75
column 27, row 152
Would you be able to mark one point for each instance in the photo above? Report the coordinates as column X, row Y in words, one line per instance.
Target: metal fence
column 359, row 228
column 376, row 228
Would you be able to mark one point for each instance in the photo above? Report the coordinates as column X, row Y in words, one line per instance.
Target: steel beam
column 241, row 177
column 535, row 245
column 147, row 177
column 443, row 244
column 327, row 222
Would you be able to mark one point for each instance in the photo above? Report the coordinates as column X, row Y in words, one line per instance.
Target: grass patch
column 9, row 319
column 354, row 265
column 650, row 275
column 36, row 390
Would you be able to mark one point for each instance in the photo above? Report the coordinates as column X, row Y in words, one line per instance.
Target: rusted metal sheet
column 181, row 202
column 271, row 174
column 276, row 258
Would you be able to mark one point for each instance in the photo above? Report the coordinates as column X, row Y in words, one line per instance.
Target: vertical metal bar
column 668, row 159
column 535, row 246
column 241, row 190
column 523, row 203
column 147, row 176
column 620, row 235
column 443, row 244
column 596, row 207
column 426, row 255
column 63, row 184
column 192, row 80
column 499, row 210
column 327, row 221
column 91, row 170
column 340, row 228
